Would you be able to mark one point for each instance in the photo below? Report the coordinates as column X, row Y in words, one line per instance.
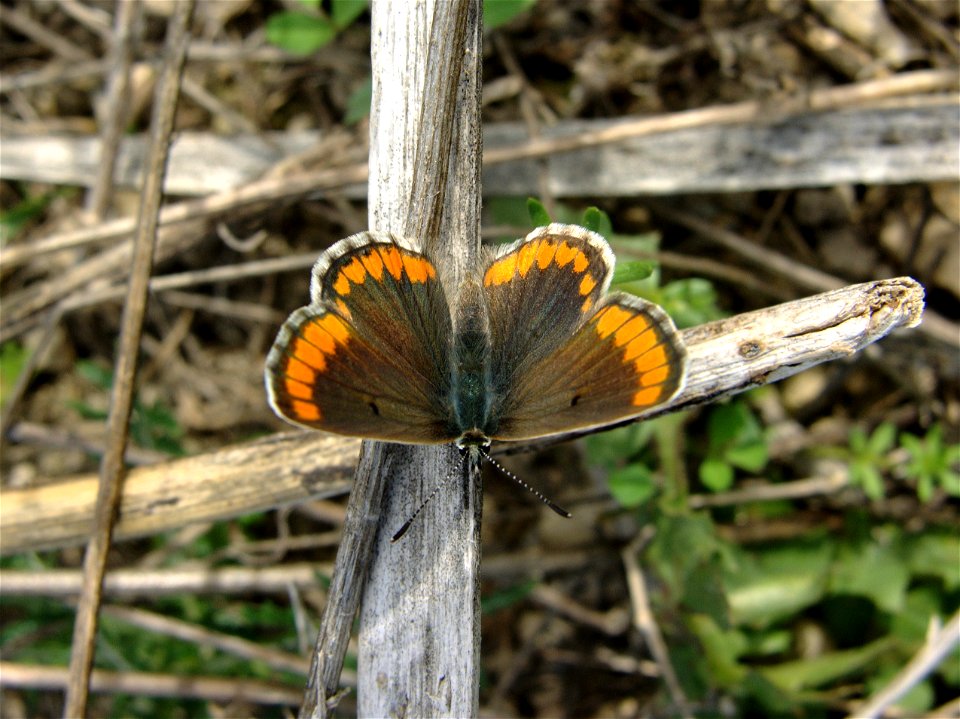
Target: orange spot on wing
column 545, row 254
column 501, row 271
column 565, row 254
column 525, row 258
column 417, row 268
column 309, row 354
column 585, row 307
column 392, row 261
column 374, row 264
column 655, row 376
column 646, row 397
column 580, row 262
column 609, row 320
column 355, row 271
column 298, row 389
column 587, row 284
column 640, row 344
column 630, row 330
column 344, row 310
column 336, row 328
column 651, row 360
column 305, row 411
column 317, row 337
column 342, row 285
column 300, row 371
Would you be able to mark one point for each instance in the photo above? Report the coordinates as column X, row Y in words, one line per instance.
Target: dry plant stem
column 938, row 645
column 30, row 676
column 291, row 187
column 115, row 108
column 645, row 623
column 834, row 97
column 934, row 325
column 112, row 468
column 159, row 624
column 139, row 583
column 726, row 357
column 420, row 618
column 424, row 182
column 161, row 497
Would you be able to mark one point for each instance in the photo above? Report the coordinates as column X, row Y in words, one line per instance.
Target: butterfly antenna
column 535, row 492
column 406, row 525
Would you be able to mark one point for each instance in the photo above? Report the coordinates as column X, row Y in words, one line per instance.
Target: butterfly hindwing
column 369, row 357
column 626, row 358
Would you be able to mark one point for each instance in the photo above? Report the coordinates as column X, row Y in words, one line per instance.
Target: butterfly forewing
column 539, row 292
column 369, row 357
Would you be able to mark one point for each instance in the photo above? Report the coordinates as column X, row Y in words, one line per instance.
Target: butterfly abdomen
column 471, row 380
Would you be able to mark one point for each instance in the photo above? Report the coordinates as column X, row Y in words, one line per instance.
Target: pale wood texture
column 420, row 617
column 877, row 145
column 419, row 624
column 726, row 357
column 260, row 475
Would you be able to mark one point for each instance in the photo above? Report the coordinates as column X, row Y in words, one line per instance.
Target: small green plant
column 868, row 458
column 500, row 12
column 933, row 463
column 13, row 358
column 735, row 441
column 151, row 426
column 305, row 32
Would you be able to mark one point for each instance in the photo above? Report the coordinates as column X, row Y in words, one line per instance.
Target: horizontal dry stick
column 200, row 635
column 726, row 357
column 263, row 474
column 912, row 140
column 36, row 676
column 153, row 583
column 293, row 186
column 277, row 579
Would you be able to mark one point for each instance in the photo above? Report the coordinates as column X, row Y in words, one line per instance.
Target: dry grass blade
column 112, row 467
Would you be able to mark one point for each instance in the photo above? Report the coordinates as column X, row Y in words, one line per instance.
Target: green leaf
column 690, row 302
column 705, row 593
column 596, row 220
column 344, row 12
column 298, row 32
column 768, row 586
column 751, row 455
column 875, row 570
column 633, row 271
column 13, row 358
column 95, row 374
column 14, row 220
column 632, row 485
column 825, row 668
column 500, row 12
column 507, row 597
column 934, row 554
column 358, row 104
column 721, row 648
column 539, row 217
column 716, row 475
column 682, row 545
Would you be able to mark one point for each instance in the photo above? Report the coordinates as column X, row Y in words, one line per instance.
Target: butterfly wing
column 369, row 356
column 539, row 291
column 579, row 358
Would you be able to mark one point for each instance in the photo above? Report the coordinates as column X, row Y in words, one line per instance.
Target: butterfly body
column 532, row 346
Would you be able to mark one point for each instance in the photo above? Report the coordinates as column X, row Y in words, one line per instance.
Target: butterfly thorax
column 470, row 385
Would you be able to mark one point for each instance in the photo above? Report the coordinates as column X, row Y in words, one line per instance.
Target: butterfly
column 532, row 345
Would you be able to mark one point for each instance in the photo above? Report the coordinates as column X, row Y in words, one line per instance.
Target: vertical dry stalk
column 419, row 634
column 111, row 468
